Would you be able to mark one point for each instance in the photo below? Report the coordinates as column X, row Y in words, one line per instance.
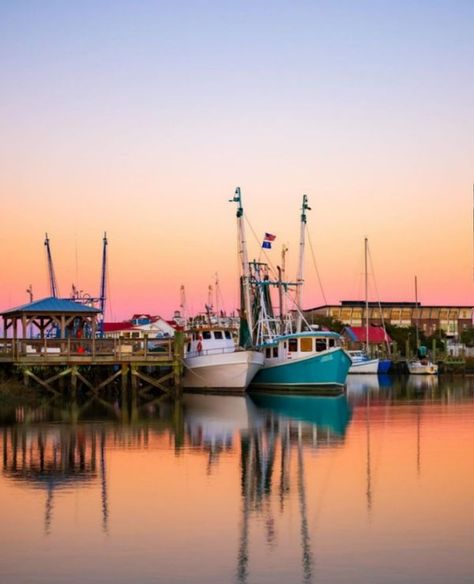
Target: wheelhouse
column 301, row 344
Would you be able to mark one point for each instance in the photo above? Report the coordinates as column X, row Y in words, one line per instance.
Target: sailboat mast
column 299, row 279
column 243, row 255
column 416, row 307
column 366, row 243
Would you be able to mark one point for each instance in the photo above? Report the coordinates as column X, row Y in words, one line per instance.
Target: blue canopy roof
column 53, row 305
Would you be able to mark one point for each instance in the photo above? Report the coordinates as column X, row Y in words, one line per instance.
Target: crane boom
column 53, row 287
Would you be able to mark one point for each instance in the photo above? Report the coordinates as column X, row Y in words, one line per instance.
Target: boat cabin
column 300, row 345
column 209, row 341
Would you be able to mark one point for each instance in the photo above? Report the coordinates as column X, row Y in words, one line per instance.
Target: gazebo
column 67, row 316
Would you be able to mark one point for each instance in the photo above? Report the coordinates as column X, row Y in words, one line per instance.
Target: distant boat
column 422, row 365
column 362, row 363
column 384, row 366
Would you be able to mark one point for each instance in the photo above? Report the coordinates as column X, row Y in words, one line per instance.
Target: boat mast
column 103, row 283
column 366, row 243
column 299, row 279
column 284, row 250
column 244, row 262
column 416, row 307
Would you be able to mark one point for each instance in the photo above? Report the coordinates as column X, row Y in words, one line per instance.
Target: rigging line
column 109, row 294
column 378, row 298
column 262, row 250
column 313, row 257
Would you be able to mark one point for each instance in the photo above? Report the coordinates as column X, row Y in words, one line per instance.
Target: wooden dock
column 96, row 362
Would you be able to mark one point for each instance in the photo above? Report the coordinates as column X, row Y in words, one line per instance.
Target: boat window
column 218, row 335
column 275, row 352
column 189, row 347
column 320, row 345
column 268, row 353
column 332, row 342
column 293, row 345
column 284, row 345
column 227, row 335
column 206, row 335
column 306, row 344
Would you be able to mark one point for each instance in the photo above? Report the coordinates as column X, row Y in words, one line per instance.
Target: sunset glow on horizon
column 140, row 121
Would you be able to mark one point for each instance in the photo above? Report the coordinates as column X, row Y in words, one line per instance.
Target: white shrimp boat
column 213, row 361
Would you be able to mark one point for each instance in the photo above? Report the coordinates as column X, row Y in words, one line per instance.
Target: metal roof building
column 61, row 313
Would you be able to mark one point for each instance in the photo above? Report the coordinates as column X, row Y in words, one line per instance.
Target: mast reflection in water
column 371, row 485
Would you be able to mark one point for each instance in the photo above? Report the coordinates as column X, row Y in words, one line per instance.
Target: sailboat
column 422, row 365
column 293, row 360
column 212, row 359
column 361, row 362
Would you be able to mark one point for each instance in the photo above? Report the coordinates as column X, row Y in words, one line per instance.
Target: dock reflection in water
column 258, row 488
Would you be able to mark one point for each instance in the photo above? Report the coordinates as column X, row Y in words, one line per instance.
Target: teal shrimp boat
column 295, row 359
column 304, row 360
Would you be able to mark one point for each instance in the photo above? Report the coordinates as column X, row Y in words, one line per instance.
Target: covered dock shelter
column 69, row 318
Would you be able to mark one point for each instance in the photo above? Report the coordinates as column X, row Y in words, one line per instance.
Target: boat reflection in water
column 274, row 430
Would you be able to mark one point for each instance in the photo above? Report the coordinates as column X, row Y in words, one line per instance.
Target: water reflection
column 292, row 485
column 56, row 458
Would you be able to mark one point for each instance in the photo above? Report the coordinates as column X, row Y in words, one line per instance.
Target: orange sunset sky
column 140, row 120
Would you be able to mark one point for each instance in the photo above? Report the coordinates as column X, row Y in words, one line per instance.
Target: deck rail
column 95, row 350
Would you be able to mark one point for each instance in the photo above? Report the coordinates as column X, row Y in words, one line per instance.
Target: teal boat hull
column 319, row 369
column 332, row 413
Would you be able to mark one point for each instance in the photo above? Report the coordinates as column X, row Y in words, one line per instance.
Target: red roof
column 112, row 327
column 377, row 334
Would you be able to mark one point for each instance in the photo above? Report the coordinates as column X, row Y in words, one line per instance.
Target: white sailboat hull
column 227, row 370
column 418, row 368
column 370, row 367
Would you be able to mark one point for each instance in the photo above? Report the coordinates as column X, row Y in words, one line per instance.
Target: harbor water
column 375, row 485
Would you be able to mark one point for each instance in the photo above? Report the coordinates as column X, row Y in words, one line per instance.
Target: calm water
column 373, row 486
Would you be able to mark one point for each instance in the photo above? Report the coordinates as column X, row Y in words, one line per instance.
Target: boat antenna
column 299, row 278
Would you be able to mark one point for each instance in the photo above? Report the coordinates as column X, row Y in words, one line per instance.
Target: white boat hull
column 370, row 367
column 228, row 370
column 418, row 368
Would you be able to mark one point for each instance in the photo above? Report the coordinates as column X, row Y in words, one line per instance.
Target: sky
column 139, row 119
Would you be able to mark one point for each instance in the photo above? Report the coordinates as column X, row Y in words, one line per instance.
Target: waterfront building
column 139, row 327
column 453, row 320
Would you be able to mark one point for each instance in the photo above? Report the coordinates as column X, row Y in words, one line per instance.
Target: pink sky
column 145, row 132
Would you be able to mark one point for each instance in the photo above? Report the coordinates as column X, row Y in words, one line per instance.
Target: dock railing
column 52, row 350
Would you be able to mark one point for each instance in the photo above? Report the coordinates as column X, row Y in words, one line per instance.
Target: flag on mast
column 267, row 240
